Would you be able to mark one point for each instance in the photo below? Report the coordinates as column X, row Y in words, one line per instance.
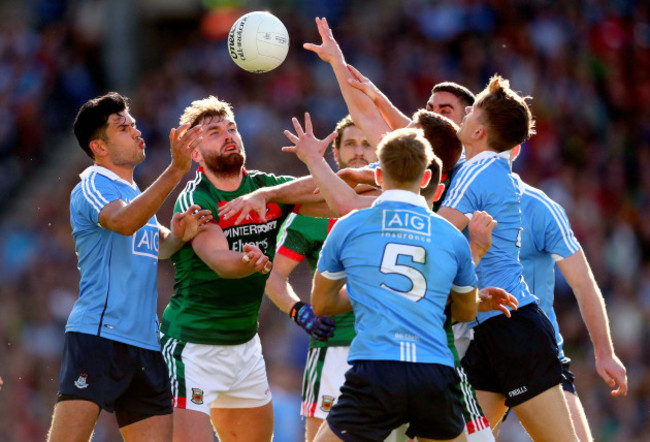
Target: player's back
column 401, row 261
column 546, row 237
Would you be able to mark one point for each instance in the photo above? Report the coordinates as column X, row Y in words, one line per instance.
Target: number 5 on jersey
column 389, row 265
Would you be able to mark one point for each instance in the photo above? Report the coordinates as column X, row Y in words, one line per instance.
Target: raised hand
column 318, row 327
column 183, row 142
column 307, row 146
column 358, row 81
column 243, row 205
column 329, row 49
column 190, row 223
column 494, row 298
column 254, row 257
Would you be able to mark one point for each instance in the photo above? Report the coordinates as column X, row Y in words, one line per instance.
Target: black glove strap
column 295, row 309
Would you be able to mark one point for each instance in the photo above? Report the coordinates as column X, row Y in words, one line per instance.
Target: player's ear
column 379, row 176
column 425, row 178
column 439, row 191
column 196, row 156
column 514, row 152
column 98, row 148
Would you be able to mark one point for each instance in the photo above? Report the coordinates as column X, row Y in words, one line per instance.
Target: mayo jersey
column 401, row 261
column 547, row 237
column 485, row 182
column 208, row 309
column 119, row 274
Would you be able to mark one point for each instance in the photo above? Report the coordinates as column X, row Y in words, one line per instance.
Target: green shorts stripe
column 172, row 349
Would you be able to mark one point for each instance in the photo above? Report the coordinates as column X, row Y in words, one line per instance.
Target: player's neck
column 473, row 149
column 228, row 182
column 124, row 172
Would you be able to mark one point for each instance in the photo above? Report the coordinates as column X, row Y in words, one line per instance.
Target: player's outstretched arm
column 127, row 219
column 340, row 197
column 578, row 274
column 392, row 115
column 211, row 246
column 327, row 296
column 184, row 227
column 363, row 111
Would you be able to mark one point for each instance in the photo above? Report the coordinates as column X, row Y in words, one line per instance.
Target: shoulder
column 267, row 178
column 94, row 189
column 196, row 191
column 536, row 202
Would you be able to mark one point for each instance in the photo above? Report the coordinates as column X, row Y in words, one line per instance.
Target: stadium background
column 586, row 63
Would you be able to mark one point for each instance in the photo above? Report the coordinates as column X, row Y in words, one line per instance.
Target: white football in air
column 258, row 42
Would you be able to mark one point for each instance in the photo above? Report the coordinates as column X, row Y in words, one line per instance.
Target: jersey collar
column 402, row 196
column 107, row 173
column 489, row 154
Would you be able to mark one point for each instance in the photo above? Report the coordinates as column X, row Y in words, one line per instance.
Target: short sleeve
column 94, row 192
column 464, row 191
column 292, row 241
column 330, row 264
column 559, row 239
column 466, row 278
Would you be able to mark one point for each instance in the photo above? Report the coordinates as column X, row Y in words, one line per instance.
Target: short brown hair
column 440, row 132
column 343, row 124
column 206, row 107
column 404, row 154
column 464, row 95
column 506, row 115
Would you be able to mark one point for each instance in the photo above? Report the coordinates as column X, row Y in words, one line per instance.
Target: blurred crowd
column 585, row 63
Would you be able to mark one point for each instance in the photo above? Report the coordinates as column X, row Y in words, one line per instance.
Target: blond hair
column 206, row 107
column 404, row 154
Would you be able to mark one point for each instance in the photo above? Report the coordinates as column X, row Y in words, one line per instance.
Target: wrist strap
column 295, row 309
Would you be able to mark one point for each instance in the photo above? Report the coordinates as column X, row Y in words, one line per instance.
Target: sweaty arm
column 211, row 246
column 578, row 274
column 362, row 109
column 391, row 114
column 327, row 298
column 126, row 219
column 464, row 306
column 278, row 288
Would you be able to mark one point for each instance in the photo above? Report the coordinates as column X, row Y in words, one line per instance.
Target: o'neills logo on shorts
column 518, row 391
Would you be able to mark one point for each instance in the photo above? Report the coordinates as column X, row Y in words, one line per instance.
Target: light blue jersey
column 401, row 261
column 117, row 290
column 547, row 237
column 485, row 182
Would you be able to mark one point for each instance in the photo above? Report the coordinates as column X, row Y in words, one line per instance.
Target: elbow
column 319, row 309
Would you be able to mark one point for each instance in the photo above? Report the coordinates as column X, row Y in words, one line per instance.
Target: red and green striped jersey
column 302, row 237
column 208, row 309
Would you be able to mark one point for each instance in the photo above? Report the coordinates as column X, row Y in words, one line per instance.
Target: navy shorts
column 131, row 381
column 379, row 396
column 517, row 356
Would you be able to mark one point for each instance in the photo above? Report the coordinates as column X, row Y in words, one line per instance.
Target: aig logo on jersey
column 145, row 241
column 406, row 221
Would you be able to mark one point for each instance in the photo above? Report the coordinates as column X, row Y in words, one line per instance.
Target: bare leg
column 154, row 428
column 192, row 426
column 578, row 417
column 312, row 425
column 73, row 421
column 325, row 434
column 493, row 405
column 244, row 424
column 546, row 417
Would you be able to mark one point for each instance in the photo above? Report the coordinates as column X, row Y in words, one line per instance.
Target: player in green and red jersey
column 302, row 237
column 209, row 328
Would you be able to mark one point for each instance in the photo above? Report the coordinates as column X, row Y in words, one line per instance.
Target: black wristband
column 295, row 309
